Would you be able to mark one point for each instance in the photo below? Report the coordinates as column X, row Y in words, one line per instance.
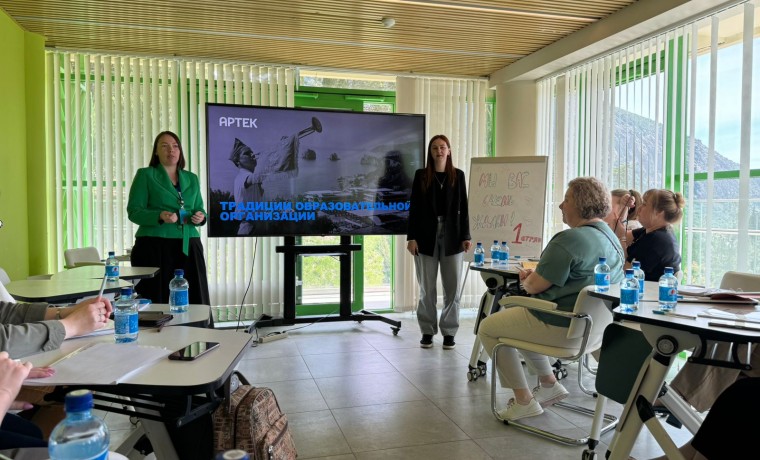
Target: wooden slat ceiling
column 459, row 37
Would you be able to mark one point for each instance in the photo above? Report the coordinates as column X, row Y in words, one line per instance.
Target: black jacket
column 423, row 216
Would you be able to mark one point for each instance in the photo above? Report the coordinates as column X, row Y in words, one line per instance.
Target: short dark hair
column 154, row 161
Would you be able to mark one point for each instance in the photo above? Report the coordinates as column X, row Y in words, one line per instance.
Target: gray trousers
column 427, row 277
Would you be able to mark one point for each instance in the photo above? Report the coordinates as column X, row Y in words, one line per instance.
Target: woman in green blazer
column 165, row 201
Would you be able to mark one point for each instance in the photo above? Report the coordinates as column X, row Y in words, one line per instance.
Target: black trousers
column 166, row 254
column 16, row 432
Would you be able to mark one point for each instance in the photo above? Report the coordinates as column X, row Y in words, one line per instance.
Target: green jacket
column 153, row 192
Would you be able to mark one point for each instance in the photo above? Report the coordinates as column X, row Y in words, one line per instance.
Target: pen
column 102, row 288
column 675, row 315
column 160, row 327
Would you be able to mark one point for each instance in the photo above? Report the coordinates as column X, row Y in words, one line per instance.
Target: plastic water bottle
column 629, row 292
column 602, row 275
column 668, row 290
column 480, row 255
column 112, row 268
column 504, row 254
column 80, row 435
column 125, row 317
column 495, row 253
column 638, row 273
column 178, row 287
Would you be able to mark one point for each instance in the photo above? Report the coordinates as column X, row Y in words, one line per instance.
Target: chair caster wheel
column 395, row 330
column 483, row 368
column 560, row 374
column 473, row 373
column 589, row 455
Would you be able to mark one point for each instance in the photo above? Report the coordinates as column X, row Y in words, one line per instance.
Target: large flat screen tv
column 276, row 171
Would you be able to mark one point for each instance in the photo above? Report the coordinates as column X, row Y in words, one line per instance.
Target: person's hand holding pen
column 86, row 316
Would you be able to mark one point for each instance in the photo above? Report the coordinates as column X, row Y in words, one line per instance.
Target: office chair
column 588, row 320
column 82, row 256
column 747, row 282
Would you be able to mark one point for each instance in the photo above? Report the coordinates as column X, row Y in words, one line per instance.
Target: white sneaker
column 516, row 411
column 548, row 396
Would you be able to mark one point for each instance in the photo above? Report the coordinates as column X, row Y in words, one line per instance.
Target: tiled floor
column 356, row 391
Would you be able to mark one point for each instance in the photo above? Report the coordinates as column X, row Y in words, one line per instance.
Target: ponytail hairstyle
column 670, row 203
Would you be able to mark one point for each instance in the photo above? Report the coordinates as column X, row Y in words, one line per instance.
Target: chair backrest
column 599, row 313
column 81, row 256
column 4, row 278
column 748, row 282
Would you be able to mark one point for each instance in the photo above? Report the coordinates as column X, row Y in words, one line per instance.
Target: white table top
column 97, row 271
column 698, row 325
column 166, row 376
column 196, row 315
column 59, row 290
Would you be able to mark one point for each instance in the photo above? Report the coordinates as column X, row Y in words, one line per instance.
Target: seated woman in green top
column 566, row 267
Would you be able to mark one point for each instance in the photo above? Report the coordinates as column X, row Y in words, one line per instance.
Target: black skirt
column 166, row 254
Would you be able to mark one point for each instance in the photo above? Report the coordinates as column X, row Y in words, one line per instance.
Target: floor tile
column 296, row 395
column 316, row 434
column 386, row 426
column 274, row 369
column 351, row 363
column 443, row 451
column 364, row 390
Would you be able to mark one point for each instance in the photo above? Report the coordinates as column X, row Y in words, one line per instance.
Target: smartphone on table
column 193, row 351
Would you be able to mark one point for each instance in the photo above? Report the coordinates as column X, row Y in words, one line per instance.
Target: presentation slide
column 277, row 171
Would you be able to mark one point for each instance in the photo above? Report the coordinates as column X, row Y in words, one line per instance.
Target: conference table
column 175, row 392
column 97, row 271
column 60, row 291
column 669, row 335
column 196, row 315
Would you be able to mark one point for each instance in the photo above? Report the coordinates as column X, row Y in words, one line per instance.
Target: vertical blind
column 674, row 110
column 456, row 108
column 103, row 113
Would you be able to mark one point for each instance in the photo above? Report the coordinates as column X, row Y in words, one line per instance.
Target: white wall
column 516, row 105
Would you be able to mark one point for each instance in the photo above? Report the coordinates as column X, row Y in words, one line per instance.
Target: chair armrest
column 527, row 302
column 544, row 306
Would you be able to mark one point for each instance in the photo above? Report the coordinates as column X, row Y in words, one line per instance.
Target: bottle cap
column 636, row 264
column 127, row 291
column 479, row 243
column 602, row 260
column 111, row 253
column 78, row 401
column 668, row 269
column 628, row 271
column 179, row 272
column 495, row 241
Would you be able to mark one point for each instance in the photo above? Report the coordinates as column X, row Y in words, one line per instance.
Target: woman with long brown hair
column 438, row 234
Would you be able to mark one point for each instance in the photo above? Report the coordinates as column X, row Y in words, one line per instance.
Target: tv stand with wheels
column 291, row 251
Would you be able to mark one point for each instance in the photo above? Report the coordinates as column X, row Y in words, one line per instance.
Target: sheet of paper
column 107, row 329
column 102, row 364
column 750, row 315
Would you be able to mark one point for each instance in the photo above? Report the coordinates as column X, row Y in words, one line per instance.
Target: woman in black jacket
column 439, row 231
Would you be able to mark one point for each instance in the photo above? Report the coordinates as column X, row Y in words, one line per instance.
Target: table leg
column 667, row 343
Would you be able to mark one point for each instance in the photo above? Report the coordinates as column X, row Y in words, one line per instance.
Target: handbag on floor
column 252, row 421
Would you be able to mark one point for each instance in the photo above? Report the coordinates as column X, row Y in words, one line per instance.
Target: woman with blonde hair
column 654, row 245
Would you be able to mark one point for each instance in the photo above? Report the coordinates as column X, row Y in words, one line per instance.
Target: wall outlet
column 273, row 337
